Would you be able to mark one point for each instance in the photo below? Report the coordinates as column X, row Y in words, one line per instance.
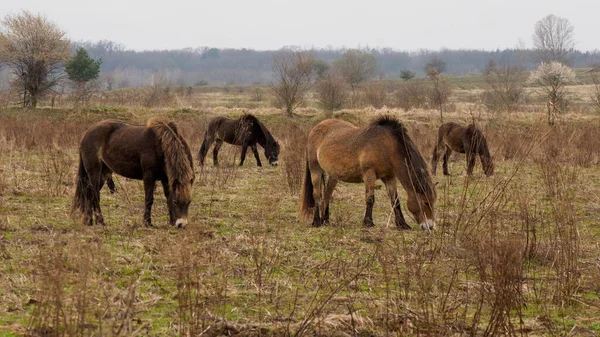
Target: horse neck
column 265, row 139
column 412, row 170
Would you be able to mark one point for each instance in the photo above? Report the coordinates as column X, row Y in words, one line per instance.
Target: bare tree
column 293, row 75
column 552, row 77
column 440, row 91
column 436, row 64
column 332, row 93
column 35, row 49
column 356, row 66
column 505, row 84
column 553, row 39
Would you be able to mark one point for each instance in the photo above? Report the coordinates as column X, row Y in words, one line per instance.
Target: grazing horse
column 381, row 150
column 153, row 152
column 462, row 139
column 246, row 131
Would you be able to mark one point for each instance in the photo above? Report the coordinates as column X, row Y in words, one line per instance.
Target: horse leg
column 390, row 185
column 435, row 159
column 445, row 160
column 107, row 176
column 149, row 183
column 316, row 176
column 206, row 144
column 471, row 158
column 256, row 155
column 165, row 185
column 369, row 178
column 331, row 183
column 216, row 149
column 97, row 181
column 244, row 150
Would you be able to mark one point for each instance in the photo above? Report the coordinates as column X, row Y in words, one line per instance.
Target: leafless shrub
column 257, row 94
column 504, row 87
column 159, row 93
column 72, row 298
column 56, row 172
column 332, row 93
column 499, row 261
column 293, row 156
column 564, row 238
column 193, row 295
column 412, row 94
column 375, row 94
column 293, row 74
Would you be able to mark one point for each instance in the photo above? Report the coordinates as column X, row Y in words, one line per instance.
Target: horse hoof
column 368, row 224
column 404, row 228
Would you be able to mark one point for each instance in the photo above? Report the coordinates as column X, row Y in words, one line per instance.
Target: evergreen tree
column 82, row 68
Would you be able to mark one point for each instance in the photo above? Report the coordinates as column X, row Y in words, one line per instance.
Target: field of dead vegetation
column 513, row 254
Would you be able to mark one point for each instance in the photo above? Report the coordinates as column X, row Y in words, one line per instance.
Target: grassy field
column 516, row 253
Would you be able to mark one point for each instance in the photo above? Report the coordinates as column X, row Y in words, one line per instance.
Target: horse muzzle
column 181, row 222
column 428, row 225
column 275, row 163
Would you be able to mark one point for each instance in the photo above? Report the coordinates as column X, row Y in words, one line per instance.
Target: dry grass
column 514, row 254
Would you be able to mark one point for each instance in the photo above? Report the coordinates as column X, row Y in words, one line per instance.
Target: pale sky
column 272, row 24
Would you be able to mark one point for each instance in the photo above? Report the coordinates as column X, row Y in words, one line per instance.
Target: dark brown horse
column 247, row 131
column 462, row 139
column 149, row 153
column 382, row 150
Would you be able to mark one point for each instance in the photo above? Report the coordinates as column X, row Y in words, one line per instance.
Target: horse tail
column 439, row 144
column 203, row 149
column 307, row 200
column 83, row 191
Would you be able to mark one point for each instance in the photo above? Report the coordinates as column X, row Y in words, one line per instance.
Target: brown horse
column 382, row 150
column 149, row 153
column 462, row 139
column 245, row 131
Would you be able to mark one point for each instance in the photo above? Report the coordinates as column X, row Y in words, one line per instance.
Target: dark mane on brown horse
column 174, row 147
column 462, row 139
column 153, row 152
column 340, row 151
column 419, row 175
column 246, row 131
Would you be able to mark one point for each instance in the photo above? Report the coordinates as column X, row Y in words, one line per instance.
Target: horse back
column 345, row 152
column 127, row 150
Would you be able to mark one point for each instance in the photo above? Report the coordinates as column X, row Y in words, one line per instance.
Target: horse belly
column 343, row 170
column 124, row 161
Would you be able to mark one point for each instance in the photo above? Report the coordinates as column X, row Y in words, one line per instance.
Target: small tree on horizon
column 82, row 70
column 407, row 74
column 435, row 64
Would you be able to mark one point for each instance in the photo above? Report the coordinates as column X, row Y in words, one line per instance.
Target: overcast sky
column 272, row 24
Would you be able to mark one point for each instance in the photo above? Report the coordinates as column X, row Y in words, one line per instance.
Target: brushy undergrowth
column 514, row 254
